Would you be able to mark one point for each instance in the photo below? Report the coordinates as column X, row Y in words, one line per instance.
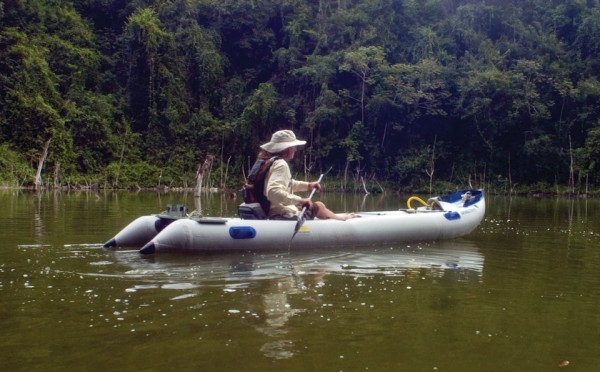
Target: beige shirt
column 280, row 188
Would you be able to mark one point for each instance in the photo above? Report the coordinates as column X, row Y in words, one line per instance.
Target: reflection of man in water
column 278, row 311
column 274, row 309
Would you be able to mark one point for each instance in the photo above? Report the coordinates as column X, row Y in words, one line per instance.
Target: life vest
column 253, row 190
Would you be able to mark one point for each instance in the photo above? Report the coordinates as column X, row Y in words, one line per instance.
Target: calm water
column 520, row 293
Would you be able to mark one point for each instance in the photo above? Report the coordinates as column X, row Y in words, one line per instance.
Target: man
column 280, row 187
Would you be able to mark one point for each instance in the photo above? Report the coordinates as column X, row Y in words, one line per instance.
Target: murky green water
column 520, row 293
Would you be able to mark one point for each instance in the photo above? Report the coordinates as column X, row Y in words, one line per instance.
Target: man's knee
column 317, row 207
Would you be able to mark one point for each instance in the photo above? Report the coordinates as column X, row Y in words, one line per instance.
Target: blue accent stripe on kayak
column 451, row 216
column 242, row 232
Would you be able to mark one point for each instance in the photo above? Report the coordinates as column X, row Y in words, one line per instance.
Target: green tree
column 257, row 120
column 49, row 66
column 143, row 36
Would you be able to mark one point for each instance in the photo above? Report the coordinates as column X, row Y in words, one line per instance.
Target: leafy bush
column 140, row 174
column 14, row 168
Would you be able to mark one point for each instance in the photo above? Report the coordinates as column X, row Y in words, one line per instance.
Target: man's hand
column 306, row 202
column 314, row 185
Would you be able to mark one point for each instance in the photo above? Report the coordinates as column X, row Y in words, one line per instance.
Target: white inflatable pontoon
column 443, row 217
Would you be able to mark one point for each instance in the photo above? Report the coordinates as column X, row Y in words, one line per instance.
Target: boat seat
column 251, row 211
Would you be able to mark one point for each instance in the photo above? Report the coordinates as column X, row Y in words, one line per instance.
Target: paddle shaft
column 301, row 216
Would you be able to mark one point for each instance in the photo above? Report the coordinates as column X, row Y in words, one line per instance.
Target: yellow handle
column 417, row 199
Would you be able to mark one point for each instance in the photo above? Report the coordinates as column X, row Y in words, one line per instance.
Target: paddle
column 301, row 217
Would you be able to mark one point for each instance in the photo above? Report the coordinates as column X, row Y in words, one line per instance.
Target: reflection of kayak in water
column 443, row 217
column 270, row 291
column 439, row 256
column 241, row 267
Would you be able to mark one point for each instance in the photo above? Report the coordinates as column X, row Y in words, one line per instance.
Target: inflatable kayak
column 444, row 217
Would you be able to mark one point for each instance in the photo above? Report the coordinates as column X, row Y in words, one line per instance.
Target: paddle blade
column 298, row 225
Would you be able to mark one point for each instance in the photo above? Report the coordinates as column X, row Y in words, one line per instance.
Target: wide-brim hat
column 282, row 140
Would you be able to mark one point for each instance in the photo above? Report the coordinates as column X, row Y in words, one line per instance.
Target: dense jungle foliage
column 398, row 93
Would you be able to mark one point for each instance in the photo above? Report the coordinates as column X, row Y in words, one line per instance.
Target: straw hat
column 282, row 140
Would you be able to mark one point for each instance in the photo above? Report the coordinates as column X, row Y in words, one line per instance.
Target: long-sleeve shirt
column 280, row 188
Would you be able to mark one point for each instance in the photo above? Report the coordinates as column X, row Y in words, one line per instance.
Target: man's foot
column 347, row 216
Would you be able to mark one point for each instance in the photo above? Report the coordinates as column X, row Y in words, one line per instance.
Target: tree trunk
column 571, row 168
column 432, row 166
column 37, row 181
column 200, row 173
column 56, row 173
